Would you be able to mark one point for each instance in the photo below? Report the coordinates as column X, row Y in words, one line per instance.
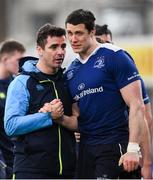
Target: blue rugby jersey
column 95, row 86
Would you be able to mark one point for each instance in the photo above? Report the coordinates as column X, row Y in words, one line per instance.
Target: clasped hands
column 55, row 107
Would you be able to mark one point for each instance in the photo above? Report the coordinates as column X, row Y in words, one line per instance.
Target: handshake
column 55, row 107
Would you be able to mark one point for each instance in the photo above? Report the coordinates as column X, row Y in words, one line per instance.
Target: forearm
column 133, row 97
column 145, row 143
column 149, row 118
column 19, row 125
column 69, row 122
column 135, row 117
column 131, row 159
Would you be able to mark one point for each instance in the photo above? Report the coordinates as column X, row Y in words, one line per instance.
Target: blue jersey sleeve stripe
column 128, row 82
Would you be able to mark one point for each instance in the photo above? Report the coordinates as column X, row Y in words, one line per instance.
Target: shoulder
column 74, row 64
column 110, row 47
column 18, row 87
column 72, row 69
column 20, row 80
column 116, row 54
column 112, row 52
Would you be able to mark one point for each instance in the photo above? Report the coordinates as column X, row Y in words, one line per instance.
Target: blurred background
column 129, row 20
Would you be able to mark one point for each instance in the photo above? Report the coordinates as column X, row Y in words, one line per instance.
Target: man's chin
column 58, row 65
column 76, row 50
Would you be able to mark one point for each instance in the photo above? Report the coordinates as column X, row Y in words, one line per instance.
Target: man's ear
column 4, row 58
column 39, row 51
column 93, row 32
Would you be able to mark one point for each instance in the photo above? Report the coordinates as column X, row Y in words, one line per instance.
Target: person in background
column 43, row 148
column 103, row 34
column 10, row 54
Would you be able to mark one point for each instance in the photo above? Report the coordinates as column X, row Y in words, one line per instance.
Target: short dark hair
column 10, row 46
column 81, row 16
column 100, row 30
column 48, row 30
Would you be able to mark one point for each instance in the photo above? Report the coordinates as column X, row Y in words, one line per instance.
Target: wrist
column 60, row 118
column 133, row 147
column 146, row 162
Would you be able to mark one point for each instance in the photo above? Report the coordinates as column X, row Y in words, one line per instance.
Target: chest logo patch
column 100, row 62
column 81, row 86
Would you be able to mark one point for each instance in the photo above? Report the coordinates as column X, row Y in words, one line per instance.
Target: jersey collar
column 83, row 61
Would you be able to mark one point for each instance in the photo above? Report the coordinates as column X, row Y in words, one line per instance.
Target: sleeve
column 144, row 93
column 123, row 69
column 16, row 122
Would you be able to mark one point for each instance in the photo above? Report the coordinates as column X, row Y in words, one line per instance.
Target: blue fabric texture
column 95, row 86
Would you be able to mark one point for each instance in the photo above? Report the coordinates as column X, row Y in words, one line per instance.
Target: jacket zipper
column 59, row 129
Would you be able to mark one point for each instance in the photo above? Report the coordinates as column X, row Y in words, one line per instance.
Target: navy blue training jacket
column 41, row 145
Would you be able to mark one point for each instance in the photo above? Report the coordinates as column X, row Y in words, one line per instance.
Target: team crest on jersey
column 81, row 86
column 100, row 62
column 70, row 75
column 39, row 87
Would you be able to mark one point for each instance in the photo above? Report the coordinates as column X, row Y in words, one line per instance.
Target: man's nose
column 73, row 38
column 61, row 51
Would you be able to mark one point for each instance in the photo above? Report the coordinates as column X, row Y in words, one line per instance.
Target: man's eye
column 63, row 46
column 69, row 33
column 79, row 33
column 53, row 47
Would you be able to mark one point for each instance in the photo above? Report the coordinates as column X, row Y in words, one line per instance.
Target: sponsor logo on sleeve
column 135, row 74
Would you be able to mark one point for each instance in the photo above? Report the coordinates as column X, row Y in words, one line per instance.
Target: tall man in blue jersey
column 105, row 84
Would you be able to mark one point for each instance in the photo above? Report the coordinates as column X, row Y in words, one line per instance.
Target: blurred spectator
column 10, row 54
column 103, row 34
